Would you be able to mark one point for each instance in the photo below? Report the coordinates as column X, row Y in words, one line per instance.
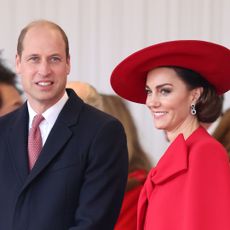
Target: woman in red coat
column 179, row 81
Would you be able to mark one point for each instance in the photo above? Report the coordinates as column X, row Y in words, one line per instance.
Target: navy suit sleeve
column 104, row 181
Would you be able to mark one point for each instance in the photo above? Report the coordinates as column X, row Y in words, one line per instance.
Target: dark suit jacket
column 78, row 182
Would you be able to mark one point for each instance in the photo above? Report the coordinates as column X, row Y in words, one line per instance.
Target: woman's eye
column 165, row 91
column 148, row 91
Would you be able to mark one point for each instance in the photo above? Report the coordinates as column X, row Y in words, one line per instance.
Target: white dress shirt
column 50, row 116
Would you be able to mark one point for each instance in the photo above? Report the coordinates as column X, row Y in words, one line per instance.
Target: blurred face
column 10, row 99
column 169, row 101
column 43, row 66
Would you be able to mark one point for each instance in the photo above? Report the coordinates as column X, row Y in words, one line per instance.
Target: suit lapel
column 176, row 158
column 58, row 136
column 17, row 143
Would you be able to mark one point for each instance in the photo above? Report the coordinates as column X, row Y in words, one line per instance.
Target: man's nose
column 44, row 68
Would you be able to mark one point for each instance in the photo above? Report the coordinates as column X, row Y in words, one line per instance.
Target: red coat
column 128, row 216
column 189, row 189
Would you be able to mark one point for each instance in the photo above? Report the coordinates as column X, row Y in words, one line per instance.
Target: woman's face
column 169, row 100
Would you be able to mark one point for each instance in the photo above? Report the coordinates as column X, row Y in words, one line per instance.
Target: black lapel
column 59, row 135
column 17, row 142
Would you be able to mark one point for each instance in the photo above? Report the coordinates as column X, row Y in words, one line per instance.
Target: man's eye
column 55, row 59
column 34, row 59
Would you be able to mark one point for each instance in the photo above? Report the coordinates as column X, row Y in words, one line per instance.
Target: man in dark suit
column 78, row 179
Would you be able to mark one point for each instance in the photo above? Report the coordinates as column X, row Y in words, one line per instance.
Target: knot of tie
column 34, row 140
column 37, row 120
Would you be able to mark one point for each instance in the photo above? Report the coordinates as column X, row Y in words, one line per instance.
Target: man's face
column 43, row 66
column 10, row 99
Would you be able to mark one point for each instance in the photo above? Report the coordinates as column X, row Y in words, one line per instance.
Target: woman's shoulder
column 207, row 147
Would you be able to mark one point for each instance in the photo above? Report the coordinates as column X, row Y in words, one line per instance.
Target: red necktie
column 34, row 140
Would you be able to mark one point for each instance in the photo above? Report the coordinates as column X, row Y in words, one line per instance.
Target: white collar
column 51, row 113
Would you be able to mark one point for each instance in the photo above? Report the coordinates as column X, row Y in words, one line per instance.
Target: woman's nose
column 152, row 101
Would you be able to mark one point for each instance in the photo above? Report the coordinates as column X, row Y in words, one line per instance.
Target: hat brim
column 210, row 60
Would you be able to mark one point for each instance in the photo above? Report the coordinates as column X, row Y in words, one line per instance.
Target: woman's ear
column 196, row 93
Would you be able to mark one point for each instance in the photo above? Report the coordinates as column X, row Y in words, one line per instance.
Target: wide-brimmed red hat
column 210, row 60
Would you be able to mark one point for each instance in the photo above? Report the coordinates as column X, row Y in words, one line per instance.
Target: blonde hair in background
column 115, row 106
column 86, row 92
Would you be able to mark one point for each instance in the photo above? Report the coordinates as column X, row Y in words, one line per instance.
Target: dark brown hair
column 7, row 77
column 209, row 105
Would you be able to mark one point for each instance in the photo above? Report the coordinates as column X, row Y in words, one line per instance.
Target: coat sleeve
column 207, row 205
column 104, row 181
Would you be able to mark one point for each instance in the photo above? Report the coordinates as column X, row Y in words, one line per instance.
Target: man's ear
column 68, row 64
column 17, row 63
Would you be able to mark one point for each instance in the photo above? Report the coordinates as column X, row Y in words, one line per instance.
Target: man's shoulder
column 9, row 116
column 8, row 123
column 97, row 115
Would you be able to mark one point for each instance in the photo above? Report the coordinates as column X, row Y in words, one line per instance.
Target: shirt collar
column 50, row 114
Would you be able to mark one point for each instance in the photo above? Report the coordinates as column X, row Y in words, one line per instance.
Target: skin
column 169, row 100
column 43, row 66
column 10, row 97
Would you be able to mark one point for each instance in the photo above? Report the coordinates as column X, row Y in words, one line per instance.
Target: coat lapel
column 58, row 136
column 17, row 143
column 174, row 161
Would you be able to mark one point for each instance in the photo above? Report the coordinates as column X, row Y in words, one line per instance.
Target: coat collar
column 17, row 142
column 61, row 131
column 172, row 162
column 175, row 159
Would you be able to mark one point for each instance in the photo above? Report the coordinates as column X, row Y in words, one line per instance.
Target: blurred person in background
column 220, row 129
column 86, row 92
column 139, row 164
column 10, row 95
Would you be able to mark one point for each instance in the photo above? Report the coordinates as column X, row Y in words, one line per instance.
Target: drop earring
column 193, row 109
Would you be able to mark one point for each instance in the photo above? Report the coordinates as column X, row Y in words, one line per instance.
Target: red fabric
column 208, row 59
column 189, row 189
column 128, row 216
